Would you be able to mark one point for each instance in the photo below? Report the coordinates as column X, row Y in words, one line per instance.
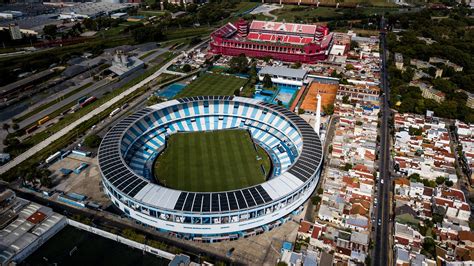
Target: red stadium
column 278, row 40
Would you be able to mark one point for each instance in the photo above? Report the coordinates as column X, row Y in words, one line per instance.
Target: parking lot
column 87, row 182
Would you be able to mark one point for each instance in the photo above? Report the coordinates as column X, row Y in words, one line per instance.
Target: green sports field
column 211, row 161
column 212, row 84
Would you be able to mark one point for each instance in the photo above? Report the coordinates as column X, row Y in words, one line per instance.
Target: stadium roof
column 284, row 72
column 283, row 27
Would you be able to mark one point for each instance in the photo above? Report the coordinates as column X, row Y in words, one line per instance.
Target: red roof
column 316, row 232
column 284, row 27
column 36, row 217
column 304, row 227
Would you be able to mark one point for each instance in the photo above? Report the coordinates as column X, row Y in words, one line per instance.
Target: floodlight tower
column 317, row 125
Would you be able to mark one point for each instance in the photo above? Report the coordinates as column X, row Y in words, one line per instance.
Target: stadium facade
column 278, row 40
column 128, row 150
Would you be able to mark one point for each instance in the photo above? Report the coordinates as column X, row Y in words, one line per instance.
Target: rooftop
column 283, row 71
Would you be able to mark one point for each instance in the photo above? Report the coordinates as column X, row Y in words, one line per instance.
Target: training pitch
column 211, row 161
column 213, row 84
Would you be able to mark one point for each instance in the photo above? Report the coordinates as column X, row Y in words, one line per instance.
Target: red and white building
column 281, row 41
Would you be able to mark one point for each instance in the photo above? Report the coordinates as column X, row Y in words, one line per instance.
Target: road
column 382, row 251
column 97, row 89
column 32, row 151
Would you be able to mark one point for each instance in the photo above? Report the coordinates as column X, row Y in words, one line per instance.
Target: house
column 407, row 236
column 399, row 61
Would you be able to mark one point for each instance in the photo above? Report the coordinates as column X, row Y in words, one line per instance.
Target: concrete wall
column 120, row 239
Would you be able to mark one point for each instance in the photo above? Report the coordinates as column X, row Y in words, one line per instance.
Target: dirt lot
column 86, row 183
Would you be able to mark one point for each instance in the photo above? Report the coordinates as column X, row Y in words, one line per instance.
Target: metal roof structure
column 283, row 72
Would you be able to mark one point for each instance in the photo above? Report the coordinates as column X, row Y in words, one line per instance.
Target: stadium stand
column 128, row 150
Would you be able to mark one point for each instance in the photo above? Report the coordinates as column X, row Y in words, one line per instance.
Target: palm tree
column 6, row 126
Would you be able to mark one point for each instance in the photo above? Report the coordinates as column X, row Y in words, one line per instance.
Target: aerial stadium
column 211, row 168
column 290, row 42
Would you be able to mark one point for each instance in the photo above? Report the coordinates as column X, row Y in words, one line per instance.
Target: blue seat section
column 143, row 141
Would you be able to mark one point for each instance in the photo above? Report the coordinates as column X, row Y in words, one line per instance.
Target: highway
column 32, row 151
column 382, row 250
column 97, row 89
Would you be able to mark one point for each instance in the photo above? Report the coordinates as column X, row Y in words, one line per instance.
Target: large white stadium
column 129, row 149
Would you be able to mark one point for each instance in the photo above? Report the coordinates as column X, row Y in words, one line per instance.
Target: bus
column 43, row 120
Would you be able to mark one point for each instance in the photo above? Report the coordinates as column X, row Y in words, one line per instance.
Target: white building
column 284, row 75
column 123, row 65
column 15, row 32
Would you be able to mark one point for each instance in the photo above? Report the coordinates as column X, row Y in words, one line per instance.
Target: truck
column 43, row 120
column 114, row 112
column 31, row 129
column 53, row 157
column 81, row 153
column 88, row 101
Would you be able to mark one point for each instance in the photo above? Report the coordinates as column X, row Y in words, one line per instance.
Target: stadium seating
column 146, row 138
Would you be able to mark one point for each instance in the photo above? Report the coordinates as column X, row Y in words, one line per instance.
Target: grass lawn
column 211, row 161
column 213, row 84
column 292, row 13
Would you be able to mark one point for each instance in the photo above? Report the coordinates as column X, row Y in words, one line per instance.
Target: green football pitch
column 212, row 84
column 211, row 161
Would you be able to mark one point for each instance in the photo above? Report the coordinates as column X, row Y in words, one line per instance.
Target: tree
column 347, row 167
column 449, row 183
column 153, row 99
column 345, row 99
column 92, row 141
column 301, row 111
column 239, row 64
column 46, row 182
column 50, row 31
column 315, row 200
column 6, row 127
column 350, row 67
column 15, row 126
column 267, row 81
column 440, row 180
column 437, row 218
column 328, row 109
column 415, row 131
column 320, row 191
column 354, row 45
column 186, row 68
column 429, row 246
column 296, row 65
column 90, row 24
column 195, row 40
column 415, row 177
column 147, row 34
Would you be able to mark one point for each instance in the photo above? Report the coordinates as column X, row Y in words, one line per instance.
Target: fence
column 123, row 240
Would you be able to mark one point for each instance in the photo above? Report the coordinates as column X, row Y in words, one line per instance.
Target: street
column 382, row 251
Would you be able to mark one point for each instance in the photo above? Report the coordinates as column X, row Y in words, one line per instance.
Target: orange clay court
column 327, row 92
